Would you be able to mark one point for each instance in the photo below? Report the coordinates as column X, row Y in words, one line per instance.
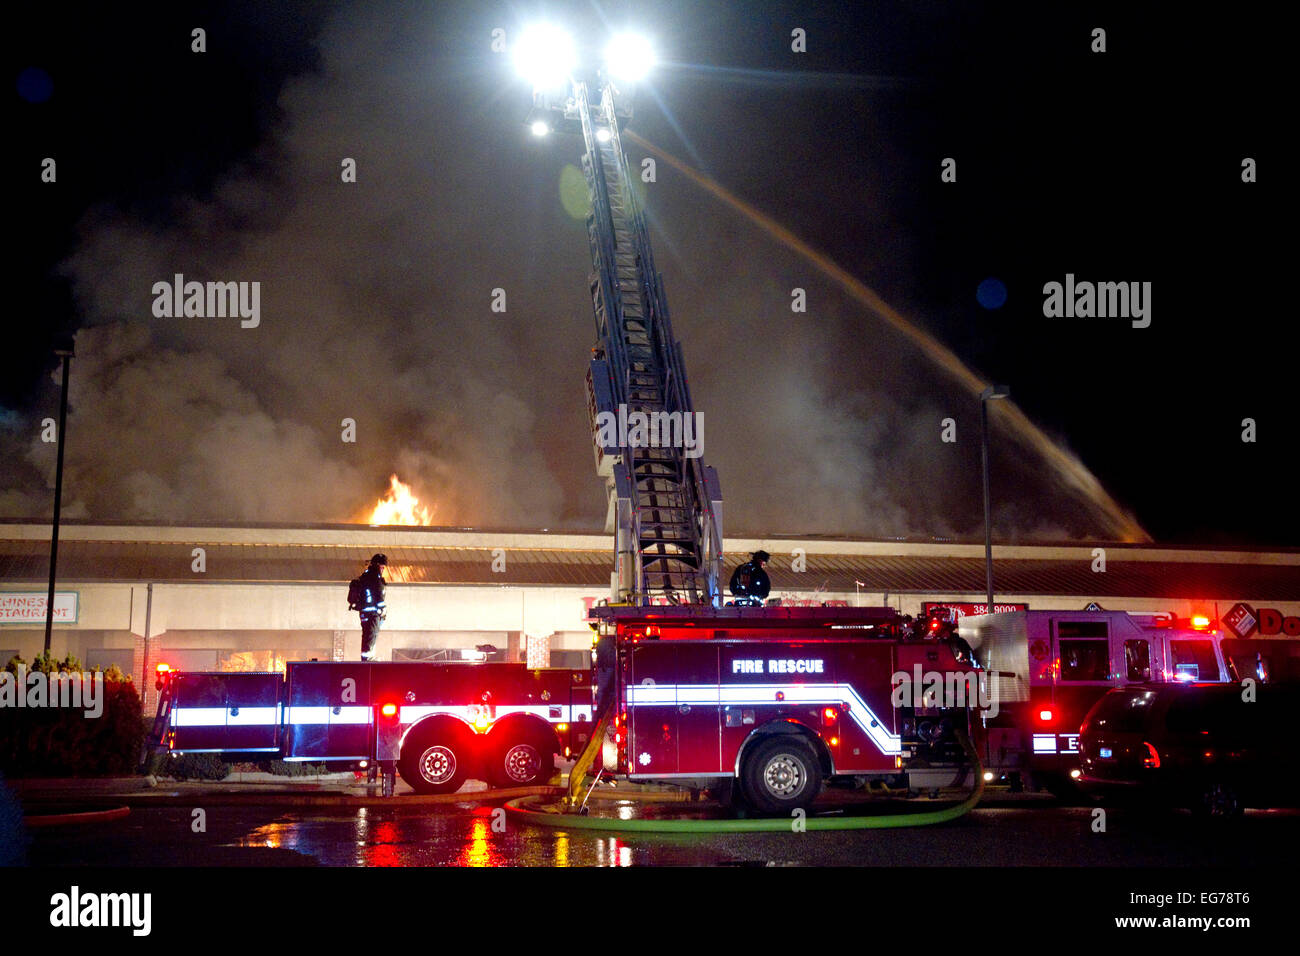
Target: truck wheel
column 435, row 763
column 781, row 774
column 522, row 762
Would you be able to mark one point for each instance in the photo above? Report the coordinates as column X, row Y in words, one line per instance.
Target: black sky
column 1121, row 166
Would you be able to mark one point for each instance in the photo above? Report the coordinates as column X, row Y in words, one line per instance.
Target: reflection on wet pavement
column 477, row 836
column 471, row 835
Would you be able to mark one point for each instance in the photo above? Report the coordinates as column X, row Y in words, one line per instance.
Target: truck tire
column 436, row 761
column 780, row 774
column 521, row 760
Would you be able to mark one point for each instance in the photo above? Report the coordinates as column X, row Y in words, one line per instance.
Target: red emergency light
column 388, row 710
column 1045, row 716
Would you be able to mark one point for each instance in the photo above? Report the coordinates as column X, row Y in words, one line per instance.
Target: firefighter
column 749, row 582
column 372, row 607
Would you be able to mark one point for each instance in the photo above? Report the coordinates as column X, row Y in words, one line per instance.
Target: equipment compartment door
column 699, row 739
column 652, row 710
column 330, row 716
column 226, row 713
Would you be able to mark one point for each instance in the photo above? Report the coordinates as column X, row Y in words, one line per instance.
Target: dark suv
column 1202, row 746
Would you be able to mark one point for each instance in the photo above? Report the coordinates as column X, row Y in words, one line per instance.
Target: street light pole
column 992, row 392
column 66, row 355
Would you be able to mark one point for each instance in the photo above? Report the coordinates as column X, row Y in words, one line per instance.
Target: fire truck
column 770, row 701
column 435, row 724
column 1045, row 669
column 765, row 704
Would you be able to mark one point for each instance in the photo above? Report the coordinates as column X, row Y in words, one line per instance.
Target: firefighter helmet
column 380, row 559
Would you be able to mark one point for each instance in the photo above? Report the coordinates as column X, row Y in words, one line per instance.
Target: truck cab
column 1047, row 668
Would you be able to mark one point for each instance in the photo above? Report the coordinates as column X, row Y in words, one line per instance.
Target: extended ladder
column 664, row 504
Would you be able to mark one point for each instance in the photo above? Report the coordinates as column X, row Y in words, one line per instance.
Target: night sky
column 1122, row 166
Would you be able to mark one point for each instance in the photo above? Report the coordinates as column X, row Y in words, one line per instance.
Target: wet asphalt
column 1001, row 832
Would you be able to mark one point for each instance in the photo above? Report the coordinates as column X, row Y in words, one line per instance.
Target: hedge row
column 63, row 741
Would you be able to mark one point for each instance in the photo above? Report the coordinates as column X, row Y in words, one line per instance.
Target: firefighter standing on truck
column 750, row 583
column 371, row 604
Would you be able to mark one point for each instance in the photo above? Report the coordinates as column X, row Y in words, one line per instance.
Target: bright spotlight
column 602, row 135
column 545, row 55
column 539, row 128
column 629, row 57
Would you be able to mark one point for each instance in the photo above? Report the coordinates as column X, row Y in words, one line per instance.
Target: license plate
column 1107, row 753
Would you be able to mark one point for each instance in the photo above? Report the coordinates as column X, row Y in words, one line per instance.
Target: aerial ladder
column 664, row 504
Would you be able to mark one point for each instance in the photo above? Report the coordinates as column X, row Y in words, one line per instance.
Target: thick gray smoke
column 376, row 306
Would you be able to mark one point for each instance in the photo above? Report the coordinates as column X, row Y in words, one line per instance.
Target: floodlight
column 545, row 55
column 629, row 57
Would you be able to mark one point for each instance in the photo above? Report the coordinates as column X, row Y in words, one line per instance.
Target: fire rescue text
column 785, row 666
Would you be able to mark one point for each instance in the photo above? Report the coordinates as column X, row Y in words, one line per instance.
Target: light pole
column 65, row 353
column 992, row 392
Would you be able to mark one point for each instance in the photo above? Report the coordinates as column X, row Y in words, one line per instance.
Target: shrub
column 63, row 741
column 291, row 768
column 189, row 766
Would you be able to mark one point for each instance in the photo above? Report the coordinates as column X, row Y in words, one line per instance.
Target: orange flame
column 399, row 506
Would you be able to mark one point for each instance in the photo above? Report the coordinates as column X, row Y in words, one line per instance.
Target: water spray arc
column 1072, row 472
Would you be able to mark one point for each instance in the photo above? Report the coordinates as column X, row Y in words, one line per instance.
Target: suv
column 1194, row 745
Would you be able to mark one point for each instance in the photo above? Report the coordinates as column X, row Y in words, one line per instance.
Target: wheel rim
column 783, row 776
column 438, row 764
column 522, row 762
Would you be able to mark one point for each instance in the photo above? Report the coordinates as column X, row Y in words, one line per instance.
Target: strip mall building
column 250, row 598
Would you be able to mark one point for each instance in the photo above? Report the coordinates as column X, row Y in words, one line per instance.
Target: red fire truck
column 770, row 702
column 1047, row 668
column 437, row 724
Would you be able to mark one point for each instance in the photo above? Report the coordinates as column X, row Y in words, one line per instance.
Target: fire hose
column 523, row 809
